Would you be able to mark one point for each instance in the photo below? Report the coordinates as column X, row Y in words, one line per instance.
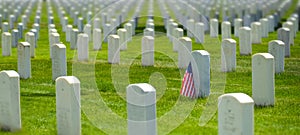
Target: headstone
column 97, row 39
column 226, row 30
column 65, row 23
column 88, row 30
column 24, row 63
column 54, row 39
column 59, row 61
column 235, row 114
column 80, row 24
column 238, row 23
column 96, row 23
column 228, row 55
column 83, row 47
column 271, row 23
column 284, row 35
column 123, row 42
column 68, row 106
column 15, row 37
column 245, row 40
column 169, row 22
column 34, row 31
column 263, row 90
column 37, row 27
column 10, row 110
column 178, row 33
column 11, row 21
column 141, row 109
column 276, row 48
column 30, row 38
column 68, row 32
column 113, row 49
column 74, row 35
column 6, row 44
column 184, row 52
column 264, row 27
column 106, row 31
column 5, row 27
column 128, row 28
column 256, row 32
column 149, row 32
column 190, row 28
column 290, row 26
column 20, row 29
column 214, row 28
column 201, row 72
column 150, row 25
column 199, row 32
column 147, row 51
column 295, row 25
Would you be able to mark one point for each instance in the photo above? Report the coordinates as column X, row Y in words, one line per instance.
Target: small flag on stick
column 187, row 87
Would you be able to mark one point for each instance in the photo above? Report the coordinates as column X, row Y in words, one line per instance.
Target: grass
column 103, row 88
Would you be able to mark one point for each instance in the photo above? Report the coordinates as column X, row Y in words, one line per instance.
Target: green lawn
column 103, row 86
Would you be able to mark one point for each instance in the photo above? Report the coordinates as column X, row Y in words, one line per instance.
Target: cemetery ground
column 38, row 93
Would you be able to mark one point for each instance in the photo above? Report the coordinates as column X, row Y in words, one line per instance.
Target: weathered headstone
column 10, row 110
column 184, row 52
column 6, row 44
column 214, row 28
column 201, row 72
column 238, row 22
column 199, row 32
column 141, row 109
column 123, row 42
column 30, row 38
column 113, row 49
column 148, row 51
column 276, row 48
column 97, row 39
column 256, row 32
column 226, row 30
column 24, row 63
column 284, row 35
column 263, row 90
column 68, row 105
column 74, row 36
column 59, row 61
column 235, row 114
column 245, row 39
column 83, row 47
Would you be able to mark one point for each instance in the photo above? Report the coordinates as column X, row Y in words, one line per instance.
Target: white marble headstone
column 228, row 57
column 114, row 49
column 245, row 39
column 263, row 81
column 235, row 114
column 184, row 52
column 122, row 33
column 201, row 72
column 141, row 109
column 226, row 30
column 68, row 105
column 10, row 110
column 59, row 61
column 6, row 44
column 148, row 51
column 83, row 47
column 97, row 39
column 24, row 63
column 276, row 48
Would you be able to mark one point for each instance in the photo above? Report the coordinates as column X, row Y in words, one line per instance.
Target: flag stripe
column 188, row 88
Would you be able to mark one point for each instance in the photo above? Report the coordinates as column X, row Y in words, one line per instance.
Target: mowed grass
column 103, row 86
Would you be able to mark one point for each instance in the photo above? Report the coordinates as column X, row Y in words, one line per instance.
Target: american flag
column 187, row 87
